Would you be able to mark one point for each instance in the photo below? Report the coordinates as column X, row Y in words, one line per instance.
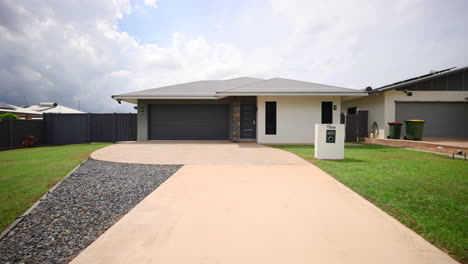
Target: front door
column 248, row 119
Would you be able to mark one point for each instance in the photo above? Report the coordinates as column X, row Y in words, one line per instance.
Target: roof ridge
column 261, row 80
column 287, row 79
column 341, row 87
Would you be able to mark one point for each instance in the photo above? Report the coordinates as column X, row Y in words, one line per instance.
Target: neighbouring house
column 53, row 108
column 19, row 111
column 273, row 111
column 440, row 98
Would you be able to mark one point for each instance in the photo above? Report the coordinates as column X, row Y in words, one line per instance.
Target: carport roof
column 243, row 86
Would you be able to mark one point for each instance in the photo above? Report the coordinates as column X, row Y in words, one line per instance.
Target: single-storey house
column 19, row 111
column 272, row 111
column 440, row 98
column 51, row 107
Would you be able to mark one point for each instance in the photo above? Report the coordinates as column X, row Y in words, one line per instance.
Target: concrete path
column 461, row 143
column 257, row 214
column 195, row 152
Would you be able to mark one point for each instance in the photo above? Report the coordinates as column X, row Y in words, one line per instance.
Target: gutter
column 296, row 94
column 116, row 97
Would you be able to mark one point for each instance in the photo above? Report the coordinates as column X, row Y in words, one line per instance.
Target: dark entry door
column 189, row 122
column 248, row 121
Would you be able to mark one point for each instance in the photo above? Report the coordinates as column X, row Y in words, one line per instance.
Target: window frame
column 271, row 118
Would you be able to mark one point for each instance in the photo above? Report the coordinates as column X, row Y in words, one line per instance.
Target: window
column 352, row 111
column 327, row 112
column 270, row 118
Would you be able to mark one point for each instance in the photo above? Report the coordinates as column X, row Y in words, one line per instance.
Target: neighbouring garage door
column 443, row 120
column 189, row 122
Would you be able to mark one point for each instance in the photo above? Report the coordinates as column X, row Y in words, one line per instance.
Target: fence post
column 115, row 127
column 89, row 128
column 11, row 132
column 45, row 124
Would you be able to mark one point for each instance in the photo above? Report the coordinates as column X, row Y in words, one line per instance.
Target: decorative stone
column 236, row 119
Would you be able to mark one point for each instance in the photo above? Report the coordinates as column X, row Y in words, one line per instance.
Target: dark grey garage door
column 443, row 120
column 189, row 122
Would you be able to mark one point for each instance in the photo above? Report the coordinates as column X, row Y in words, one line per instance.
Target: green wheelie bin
column 414, row 129
column 395, row 130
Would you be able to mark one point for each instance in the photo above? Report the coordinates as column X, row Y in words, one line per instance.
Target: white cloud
column 151, row 3
column 54, row 57
column 70, row 51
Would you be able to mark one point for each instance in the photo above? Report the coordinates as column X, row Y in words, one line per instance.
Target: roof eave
column 294, row 94
column 117, row 97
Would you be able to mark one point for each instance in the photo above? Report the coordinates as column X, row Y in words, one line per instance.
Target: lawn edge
column 370, row 201
column 21, row 217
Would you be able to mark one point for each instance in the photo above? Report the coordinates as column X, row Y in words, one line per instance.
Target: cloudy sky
column 83, row 51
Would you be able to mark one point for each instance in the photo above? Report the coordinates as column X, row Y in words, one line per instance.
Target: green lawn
column 27, row 174
column 426, row 192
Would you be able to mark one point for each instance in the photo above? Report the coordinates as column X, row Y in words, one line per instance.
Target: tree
column 9, row 116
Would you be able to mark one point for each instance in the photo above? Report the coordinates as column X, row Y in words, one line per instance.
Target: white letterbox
column 329, row 141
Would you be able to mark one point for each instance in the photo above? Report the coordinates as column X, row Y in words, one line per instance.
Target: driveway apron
column 247, row 213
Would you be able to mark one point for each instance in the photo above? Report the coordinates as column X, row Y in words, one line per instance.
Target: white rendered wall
column 296, row 117
column 375, row 104
column 330, row 151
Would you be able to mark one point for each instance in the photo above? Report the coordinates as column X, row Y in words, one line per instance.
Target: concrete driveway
column 257, row 213
column 195, row 152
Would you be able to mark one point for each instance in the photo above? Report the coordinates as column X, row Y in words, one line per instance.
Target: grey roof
column 198, row 88
column 53, row 108
column 420, row 78
column 239, row 86
column 6, row 106
column 281, row 85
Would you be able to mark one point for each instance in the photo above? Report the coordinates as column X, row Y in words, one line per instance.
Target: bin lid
column 415, row 120
column 395, row 123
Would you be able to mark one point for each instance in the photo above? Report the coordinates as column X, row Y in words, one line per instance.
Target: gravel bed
column 80, row 209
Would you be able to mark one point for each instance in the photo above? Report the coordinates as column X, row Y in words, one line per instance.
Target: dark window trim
column 352, row 110
column 324, row 115
column 270, row 117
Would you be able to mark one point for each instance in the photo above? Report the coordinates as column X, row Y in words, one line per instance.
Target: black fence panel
column 126, row 127
column 103, row 128
column 64, row 129
column 113, row 127
column 15, row 131
column 351, row 128
column 363, row 131
column 356, row 126
column 23, row 128
column 5, row 132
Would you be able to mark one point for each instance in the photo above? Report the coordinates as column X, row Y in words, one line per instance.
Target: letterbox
column 331, row 135
column 329, row 141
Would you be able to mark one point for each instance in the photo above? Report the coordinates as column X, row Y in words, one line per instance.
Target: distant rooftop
column 50, row 107
column 8, row 108
column 425, row 77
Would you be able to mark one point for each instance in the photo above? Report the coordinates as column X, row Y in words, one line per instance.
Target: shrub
column 9, row 116
column 28, row 141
